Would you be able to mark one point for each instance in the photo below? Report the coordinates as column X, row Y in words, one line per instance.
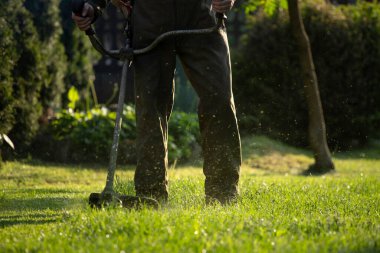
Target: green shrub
column 27, row 74
column 8, row 55
column 8, row 59
column 346, row 49
column 87, row 137
column 184, row 135
column 46, row 18
column 80, row 55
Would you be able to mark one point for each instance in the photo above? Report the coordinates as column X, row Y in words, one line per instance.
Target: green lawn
column 43, row 208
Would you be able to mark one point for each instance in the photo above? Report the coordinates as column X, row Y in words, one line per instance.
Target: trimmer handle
column 77, row 8
column 221, row 17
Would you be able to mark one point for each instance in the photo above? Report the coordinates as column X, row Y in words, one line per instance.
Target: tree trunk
column 317, row 128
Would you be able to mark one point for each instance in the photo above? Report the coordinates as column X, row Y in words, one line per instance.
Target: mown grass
column 43, row 208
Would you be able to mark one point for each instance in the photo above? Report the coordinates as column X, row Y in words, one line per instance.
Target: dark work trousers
column 206, row 62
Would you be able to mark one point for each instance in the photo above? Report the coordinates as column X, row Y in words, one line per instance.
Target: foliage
column 27, row 70
column 46, row 19
column 183, row 135
column 346, row 49
column 34, row 65
column 270, row 7
column 8, row 55
column 73, row 97
column 86, row 136
column 80, row 56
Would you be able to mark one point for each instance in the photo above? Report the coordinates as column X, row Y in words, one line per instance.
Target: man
column 206, row 61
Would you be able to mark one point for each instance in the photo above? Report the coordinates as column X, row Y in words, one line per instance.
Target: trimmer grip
column 221, row 16
column 77, row 8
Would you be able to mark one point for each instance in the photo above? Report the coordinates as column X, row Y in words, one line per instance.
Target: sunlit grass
column 43, row 208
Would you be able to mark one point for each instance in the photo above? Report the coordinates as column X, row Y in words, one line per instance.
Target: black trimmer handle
column 221, row 17
column 77, row 8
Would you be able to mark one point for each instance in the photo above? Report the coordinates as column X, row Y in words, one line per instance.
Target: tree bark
column 317, row 128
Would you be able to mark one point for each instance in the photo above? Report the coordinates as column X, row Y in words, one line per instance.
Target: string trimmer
column 125, row 54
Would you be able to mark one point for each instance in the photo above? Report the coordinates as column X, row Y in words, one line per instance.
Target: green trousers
column 206, row 62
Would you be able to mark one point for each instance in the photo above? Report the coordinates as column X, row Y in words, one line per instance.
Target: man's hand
column 222, row 6
column 88, row 14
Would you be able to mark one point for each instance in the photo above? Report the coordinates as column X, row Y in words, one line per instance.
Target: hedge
column 346, row 48
column 25, row 73
column 40, row 60
column 46, row 19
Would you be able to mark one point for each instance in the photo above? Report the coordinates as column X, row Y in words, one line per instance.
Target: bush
column 346, row 49
column 26, row 76
column 80, row 55
column 7, row 102
column 8, row 56
column 46, row 19
column 184, row 135
column 33, row 69
column 87, row 137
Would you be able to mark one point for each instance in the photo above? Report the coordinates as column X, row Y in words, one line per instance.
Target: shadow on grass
column 28, row 219
column 39, row 204
column 40, row 191
column 371, row 154
column 76, row 166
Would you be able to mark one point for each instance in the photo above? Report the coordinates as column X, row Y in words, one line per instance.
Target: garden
column 306, row 79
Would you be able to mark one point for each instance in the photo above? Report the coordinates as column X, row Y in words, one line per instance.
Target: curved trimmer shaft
column 126, row 54
column 77, row 7
column 122, row 53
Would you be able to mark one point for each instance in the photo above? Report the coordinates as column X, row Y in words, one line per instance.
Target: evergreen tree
column 46, row 19
column 27, row 73
column 8, row 55
column 80, row 54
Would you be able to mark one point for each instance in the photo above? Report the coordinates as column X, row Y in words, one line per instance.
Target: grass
column 43, row 208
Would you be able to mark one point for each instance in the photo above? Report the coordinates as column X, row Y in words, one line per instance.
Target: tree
column 6, row 80
column 46, row 19
column 27, row 73
column 316, row 130
column 80, row 55
column 8, row 55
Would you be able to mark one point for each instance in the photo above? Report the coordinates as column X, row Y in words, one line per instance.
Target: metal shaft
column 117, row 130
column 116, row 53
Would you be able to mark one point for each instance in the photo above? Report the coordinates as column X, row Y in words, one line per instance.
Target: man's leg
column 154, row 95
column 206, row 62
column 154, row 89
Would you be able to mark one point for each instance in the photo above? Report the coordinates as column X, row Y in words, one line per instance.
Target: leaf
column 73, row 97
column 251, row 5
column 284, row 4
column 270, row 7
column 7, row 140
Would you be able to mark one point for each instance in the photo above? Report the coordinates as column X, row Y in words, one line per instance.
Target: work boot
column 223, row 199
column 223, row 190
column 137, row 202
column 161, row 197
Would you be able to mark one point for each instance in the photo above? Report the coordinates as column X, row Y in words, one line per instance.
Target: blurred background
column 58, row 95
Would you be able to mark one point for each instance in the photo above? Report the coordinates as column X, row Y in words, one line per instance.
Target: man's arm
column 91, row 10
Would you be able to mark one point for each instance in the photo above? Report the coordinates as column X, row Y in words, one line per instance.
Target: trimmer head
column 99, row 200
